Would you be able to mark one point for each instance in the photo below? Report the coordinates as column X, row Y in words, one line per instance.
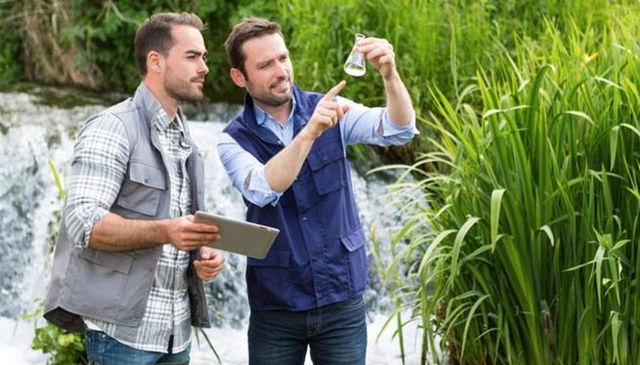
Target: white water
column 29, row 205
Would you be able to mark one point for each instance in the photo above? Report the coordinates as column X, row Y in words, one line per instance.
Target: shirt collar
column 163, row 122
column 262, row 116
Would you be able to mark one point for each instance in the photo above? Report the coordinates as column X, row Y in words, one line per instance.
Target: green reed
column 524, row 246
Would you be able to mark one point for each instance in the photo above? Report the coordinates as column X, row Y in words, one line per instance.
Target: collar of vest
column 146, row 102
column 148, row 106
column 303, row 112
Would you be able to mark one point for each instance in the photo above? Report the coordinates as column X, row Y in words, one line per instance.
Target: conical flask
column 355, row 65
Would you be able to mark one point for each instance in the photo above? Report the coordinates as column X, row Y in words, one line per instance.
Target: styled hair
column 245, row 30
column 154, row 34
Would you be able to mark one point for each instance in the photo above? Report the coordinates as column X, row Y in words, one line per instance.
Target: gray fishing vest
column 114, row 286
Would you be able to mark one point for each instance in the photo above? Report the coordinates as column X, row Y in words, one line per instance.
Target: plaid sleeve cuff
column 80, row 233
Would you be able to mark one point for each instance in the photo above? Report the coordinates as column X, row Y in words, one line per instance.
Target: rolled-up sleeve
column 246, row 172
column 362, row 124
column 98, row 168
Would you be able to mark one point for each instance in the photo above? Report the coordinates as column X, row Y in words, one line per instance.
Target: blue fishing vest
column 319, row 255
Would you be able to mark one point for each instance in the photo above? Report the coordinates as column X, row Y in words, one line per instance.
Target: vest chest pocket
column 142, row 189
column 328, row 168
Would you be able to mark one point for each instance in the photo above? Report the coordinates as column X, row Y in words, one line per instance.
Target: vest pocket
column 327, row 168
column 117, row 261
column 98, row 283
column 356, row 259
column 142, row 190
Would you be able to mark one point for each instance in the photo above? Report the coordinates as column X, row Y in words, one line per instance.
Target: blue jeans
column 336, row 334
column 105, row 350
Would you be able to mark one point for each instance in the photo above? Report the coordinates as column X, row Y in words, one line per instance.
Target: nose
column 282, row 70
column 203, row 69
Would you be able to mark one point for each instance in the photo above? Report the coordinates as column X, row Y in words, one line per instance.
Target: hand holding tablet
column 245, row 238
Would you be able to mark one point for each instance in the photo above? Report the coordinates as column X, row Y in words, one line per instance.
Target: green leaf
column 496, row 202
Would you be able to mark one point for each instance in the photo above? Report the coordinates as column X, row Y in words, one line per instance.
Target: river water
column 35, row 135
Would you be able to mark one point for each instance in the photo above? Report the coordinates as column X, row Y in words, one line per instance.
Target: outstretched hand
column 328, row 112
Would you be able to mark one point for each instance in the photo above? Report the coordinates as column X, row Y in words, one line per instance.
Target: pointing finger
column 334, row 91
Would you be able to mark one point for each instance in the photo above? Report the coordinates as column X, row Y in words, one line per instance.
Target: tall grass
column 528, row 250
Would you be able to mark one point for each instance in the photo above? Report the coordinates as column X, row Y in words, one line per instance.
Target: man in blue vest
column 285, row 151
column 129, row 261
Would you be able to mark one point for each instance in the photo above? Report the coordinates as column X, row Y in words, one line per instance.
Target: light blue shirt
column 360, row 124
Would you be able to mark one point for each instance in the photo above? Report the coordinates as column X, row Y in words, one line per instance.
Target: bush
column 63, row 347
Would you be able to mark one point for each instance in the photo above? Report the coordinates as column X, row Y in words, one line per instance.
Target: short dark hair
column 245, row 30
column 154, row 34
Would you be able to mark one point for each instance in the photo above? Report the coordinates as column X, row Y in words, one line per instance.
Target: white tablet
column 246, row 238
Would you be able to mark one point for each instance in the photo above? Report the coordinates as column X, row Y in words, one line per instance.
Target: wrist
column 391, row 77
column 160, row 231
column 306, row 135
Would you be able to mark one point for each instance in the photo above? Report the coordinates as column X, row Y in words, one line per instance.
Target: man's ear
column 155, row 62
column 238, row 77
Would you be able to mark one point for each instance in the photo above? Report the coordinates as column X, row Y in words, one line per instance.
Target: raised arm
column 380, row 53
column 283, row 168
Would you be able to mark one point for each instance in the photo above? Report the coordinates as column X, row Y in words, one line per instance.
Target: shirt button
column 304, row 219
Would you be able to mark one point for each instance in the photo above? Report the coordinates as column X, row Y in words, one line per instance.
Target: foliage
column 66, row 37
column 63, row 346
column 10, row 56
column 526, row 251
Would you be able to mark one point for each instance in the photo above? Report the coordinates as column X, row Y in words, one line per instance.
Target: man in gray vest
column 129, row 260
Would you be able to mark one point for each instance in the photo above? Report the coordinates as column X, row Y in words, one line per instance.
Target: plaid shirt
column 102, row 153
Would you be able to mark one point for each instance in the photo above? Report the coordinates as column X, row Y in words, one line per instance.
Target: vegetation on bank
column 527, row 251
column 523, row 248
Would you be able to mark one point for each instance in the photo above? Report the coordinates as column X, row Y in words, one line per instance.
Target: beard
column 269, row 98
column 181, row 89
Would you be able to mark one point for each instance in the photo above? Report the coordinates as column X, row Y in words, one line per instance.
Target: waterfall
column 33, row 133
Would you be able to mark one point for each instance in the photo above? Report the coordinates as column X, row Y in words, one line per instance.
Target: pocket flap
column 273, row 259
column 353, row 240
column 118, row 261
column 147, row 175
column 325, row 154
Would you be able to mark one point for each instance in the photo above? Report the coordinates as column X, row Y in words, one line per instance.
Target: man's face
column 185, row 66
column 268, row 74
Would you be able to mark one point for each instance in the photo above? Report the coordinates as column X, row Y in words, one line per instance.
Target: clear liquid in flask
column 355, row 65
